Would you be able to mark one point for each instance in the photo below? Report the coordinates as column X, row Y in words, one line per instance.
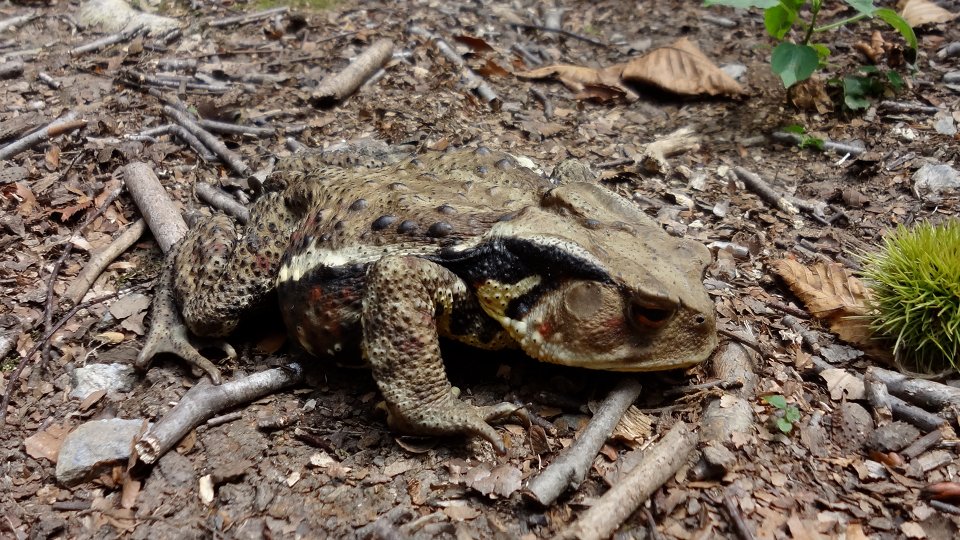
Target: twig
column 740, row 338
column 236, row 129
column 764, row 190
column 544, row 100
column 46, row 79
column 214, row 144
column 925, row 420
column 795, row 311
column 945, row 507
column 561, row 31
column 185, row 83
column 336, row 87
column 101, row 259
column 879, row 398
column 155, row 205
column 654, row 534
column 922, row 444
column 570, row 468
column 17, row 20
column 900, row 107
column 106, row 41
column 660, row 462
column 839, row 148
column 62, row 125
column 224, row 418
column 468, row 78
column 737, row 523
column 922, row 392
column 219, row 199
column 15, row 376
column 248, row 17
column 691, row 388
column 205, row 400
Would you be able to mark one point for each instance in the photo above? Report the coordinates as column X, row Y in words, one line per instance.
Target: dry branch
column 922, row 392
column 17, row 20
column 248, row 17
column 759, row 186
column 106, row 41
column 214, row 144
column 236, row 129
column 101, row 259
column 570, row 468
column 336, row 87
column 468, row 78
column 221, row 200
column 58, row 127
column 660, row 462
column 205, row 400
column 154, row 203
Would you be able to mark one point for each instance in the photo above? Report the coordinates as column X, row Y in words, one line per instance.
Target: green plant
column 796, row 62
column 786, row 415
column 914, row 282
column 806, row 141
column 857, row 89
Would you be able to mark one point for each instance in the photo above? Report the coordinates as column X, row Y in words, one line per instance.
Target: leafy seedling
column 872, row 82
column 786, row 415
column 806, row 140
column 796, row 61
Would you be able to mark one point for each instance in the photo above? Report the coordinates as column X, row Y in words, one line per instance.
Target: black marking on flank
column 407, row 226
column 446, row 209
column 483, row 151
column 383, row 222
column 440, row 229
column 358, row 204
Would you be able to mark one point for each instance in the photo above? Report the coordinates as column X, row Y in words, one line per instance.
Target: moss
column 915, row 287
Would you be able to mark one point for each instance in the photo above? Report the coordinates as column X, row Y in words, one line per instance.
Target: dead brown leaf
column 476, row 44
column 46, row 444
column 831, row 294
column 683, row 69
column 921, row 12
column 502, row 480
column 492, row 69
column 577, row 78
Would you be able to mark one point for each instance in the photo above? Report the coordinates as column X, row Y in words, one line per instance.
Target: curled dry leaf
column 921, row 12
column 842, row 385
column 831, row 294
column 502, row 480
column 578, row 78
column 476, row 44
column 683, row 69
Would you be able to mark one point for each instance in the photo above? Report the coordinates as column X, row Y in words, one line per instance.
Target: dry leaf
column 842, row 385
column 921, row 12
column 459, row 511
column 502, row 480
column 46, row 443
column 492, row 69
column 577, row 78
column 476, row 44
column 831, row 294
column 683, row 69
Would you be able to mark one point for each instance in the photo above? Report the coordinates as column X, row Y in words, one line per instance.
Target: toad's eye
column 645, row 316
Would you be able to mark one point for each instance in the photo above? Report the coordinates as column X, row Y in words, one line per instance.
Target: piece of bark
column 570, row 468
column 101, row 259
column 661, row 461
column 879, row 398
column 922, row 444
column 221, row 200
column 338, row 86
column 205, row 400
column 65, row 124
column 155, row 205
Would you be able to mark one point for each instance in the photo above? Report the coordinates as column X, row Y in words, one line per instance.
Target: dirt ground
column 334, row 468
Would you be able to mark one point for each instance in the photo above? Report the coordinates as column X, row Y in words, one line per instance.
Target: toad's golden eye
column 645, row 316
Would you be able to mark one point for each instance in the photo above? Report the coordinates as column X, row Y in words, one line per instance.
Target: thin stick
column 205, row 400
column 101, row 259
column 17, row 20
column 660, row 462
column 60, row 126
column 468, row 78
column 214, row 144
column 561, row 31
column 236, row 129
column 248, row 17
column 737, row 522
column 336, row 87
column 764, row 190
column 922, row 392
column 221, row 200
column 570, row 468
column 900, row 107
column 839, row 148
column 106, row 41
column 155, row 205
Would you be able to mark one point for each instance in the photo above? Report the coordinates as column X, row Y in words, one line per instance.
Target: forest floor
column 333, row 468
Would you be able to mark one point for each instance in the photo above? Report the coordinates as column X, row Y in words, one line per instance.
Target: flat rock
column 892, row 437
column 109, row 377
column 94, row 447
column 935, row 178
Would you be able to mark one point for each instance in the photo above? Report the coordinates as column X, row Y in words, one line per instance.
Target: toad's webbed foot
column 453, row 416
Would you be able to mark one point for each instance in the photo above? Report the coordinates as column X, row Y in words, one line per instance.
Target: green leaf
column 784, row 425
column 777, row 401
column 898, row 23
column 896, row 81
column 855, row 91
column 779, row 20
column 812, row 142
column 794, row 63
column 742, row 4
column 795, row 128
column 793, row 5
column 823, row 52
column 792, row 414
column 863, row 6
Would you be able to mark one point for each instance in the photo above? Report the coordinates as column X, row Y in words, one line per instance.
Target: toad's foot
column 453, row 417
column 169, row 334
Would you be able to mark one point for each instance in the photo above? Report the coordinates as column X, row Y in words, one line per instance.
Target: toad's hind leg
column 215, row 276
column 406, row 302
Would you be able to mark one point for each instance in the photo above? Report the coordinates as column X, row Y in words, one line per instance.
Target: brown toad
column 468, row 245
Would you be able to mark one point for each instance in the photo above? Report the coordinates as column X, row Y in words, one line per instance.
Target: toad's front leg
column 406, row 302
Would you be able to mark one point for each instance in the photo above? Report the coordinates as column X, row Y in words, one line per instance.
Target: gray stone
column 892, row 437
column 935, row 178
column 109, row 377
column 952, row 77
column 735, row 70
column 944, row 124
column 94, row 447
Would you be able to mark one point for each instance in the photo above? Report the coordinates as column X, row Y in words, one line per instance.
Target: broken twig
column 570, row 468
column 209, row 140
column 106, row 41
column 468, row 77
column 660, row 462
column 205, row 400
column 155, row 205
column 62, row 125
column 248, row 17
column 338, row 86
column 759, row 186
column 101, row 259
column 221, row 200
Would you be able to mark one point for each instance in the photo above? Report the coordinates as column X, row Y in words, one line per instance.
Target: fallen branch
column 570, row 468
column 106, row 41
column 214, row 144
column 336, row 87
column 236, row 129
column 468, row 78
column 922, row 392
column 17, row 20
column 58, row 127
column 900, row 107
column 759, row 186
column 101, row 259
column 660, row 462
column 248, row 17
column 205, row 400
column 155, row 205
column 221, row 200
